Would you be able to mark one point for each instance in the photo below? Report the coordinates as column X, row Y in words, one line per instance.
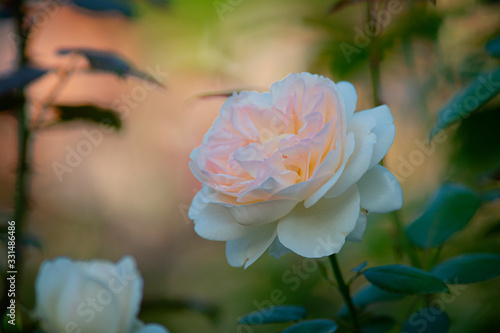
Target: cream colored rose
column 90, row 297
column 291, row 169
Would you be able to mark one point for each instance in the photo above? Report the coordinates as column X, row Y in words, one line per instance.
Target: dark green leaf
column 490, row 195
column 313, row 326
column 369, row 295
column 404, row 280
column 20, row 78
column 493, row 229
column 360, row 267
column 473, row 151
column 449, row 210
column 482, row 89
column 109, row 62
column 274, row 314
column 493, row 47
column 89, row 113
column 124, row 7
column 469, row 268
column 427, row 320
column 489, row 176
column 380, row 324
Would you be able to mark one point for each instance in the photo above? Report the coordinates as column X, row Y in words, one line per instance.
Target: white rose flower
column 291, row 169
column 90, row 297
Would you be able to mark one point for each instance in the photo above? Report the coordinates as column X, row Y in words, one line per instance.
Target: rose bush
column 291, row 169
column 90, row 297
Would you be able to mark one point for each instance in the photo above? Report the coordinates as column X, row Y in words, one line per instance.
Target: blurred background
column 130, row 194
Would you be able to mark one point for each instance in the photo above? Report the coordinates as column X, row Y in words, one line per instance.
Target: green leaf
column 469, row 268
column 493, row 229
column 449, row 210
column 369, row 295
column 490, row 195
column 313, row 326
column 379, row 324
column 274, row 314
column 360, row 267
column 19, row 78
column 107, row 6
column 89, row 113
column 482, row 89
column 427, row 320
column 493, row 47
column 109, row 62
column 404, row 280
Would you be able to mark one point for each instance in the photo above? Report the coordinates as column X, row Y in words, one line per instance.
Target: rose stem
column 21, row 187
column 344, row 291
column 405, row 242
column 374, row 56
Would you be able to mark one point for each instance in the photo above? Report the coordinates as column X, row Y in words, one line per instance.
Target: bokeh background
column 131, row 194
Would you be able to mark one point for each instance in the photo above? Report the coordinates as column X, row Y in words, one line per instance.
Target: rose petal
column 349, row 95
column 261, row 212
column 73, row 295
column 47, row 287
column 214, row 221
column 301, row 190
column 246, row 250
column 334, row 156
column 361, row 125
column 357, row 234
column 384, row 130
column 276, row 249
column 380, row 191
column 131, row 296
column 320, row 230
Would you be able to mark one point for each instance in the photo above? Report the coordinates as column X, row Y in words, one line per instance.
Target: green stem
column 405, row 242
column 22, row 183
column 433, row 261
column 344, row 291
column 374, row 57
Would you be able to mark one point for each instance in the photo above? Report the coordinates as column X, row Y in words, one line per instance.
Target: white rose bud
column 90, row 297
